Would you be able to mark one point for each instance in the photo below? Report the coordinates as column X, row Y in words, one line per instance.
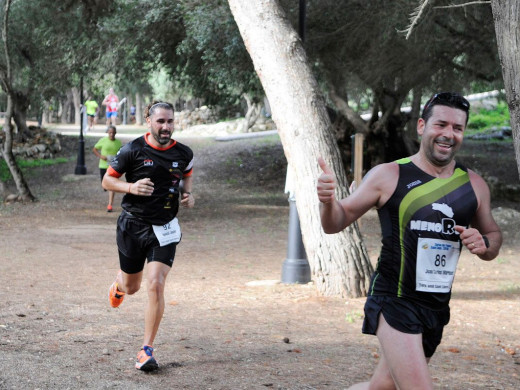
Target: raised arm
column 373, row 191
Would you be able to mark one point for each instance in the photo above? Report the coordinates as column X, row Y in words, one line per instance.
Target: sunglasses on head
column 452, row 99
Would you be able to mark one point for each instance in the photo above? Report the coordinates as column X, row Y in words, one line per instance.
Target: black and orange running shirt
column 165, row 167
column 421, row 248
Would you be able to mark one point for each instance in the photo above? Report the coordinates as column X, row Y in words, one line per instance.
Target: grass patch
column 511, row 287
column 27, row 165
column 353, row 316
column 486, row 119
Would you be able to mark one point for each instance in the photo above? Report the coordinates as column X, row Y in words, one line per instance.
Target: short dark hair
column 150, row 109
column 450, row 99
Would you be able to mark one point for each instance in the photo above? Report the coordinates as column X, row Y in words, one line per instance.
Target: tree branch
column 463, row 5
column 419, row 11
column 415, row 17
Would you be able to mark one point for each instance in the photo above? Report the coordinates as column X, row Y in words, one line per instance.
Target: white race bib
column 169, row 233
column 436, row 264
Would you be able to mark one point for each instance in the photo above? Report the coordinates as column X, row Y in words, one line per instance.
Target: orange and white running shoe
column 145, row 359
column 115, row 296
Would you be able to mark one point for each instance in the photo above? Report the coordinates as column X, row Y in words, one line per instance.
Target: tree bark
column 507, row 27
column 353, row 117
column 339, row 263
column 138, row 109
column 66, row 103
column 24, row 194
column 20, row 107
column 46, row 114
column 76, row 98
column 252, row 114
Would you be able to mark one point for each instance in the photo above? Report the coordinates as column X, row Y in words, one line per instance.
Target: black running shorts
column 407, row 317
column 137, row 242
column 102, row 172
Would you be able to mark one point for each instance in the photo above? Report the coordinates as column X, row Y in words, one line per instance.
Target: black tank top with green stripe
column 420, row 247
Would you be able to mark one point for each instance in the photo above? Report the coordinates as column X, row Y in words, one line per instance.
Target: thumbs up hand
column 326, row 183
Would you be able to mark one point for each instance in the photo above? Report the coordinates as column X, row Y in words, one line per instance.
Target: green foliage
column 27, row 165
column 49, row 45
column 163, row 86
column 213, row 58
column 357, row 48
column 351, row 317
column 485, row 119
column 354, row 46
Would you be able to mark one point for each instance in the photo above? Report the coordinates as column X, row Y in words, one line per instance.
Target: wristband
column 486, row 241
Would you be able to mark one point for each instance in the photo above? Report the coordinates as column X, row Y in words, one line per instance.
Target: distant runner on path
column 106, row 149
column 111, row 102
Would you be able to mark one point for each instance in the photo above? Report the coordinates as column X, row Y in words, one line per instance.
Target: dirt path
column 219, row 331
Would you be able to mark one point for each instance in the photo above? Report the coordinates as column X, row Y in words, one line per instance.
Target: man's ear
column 421, row 124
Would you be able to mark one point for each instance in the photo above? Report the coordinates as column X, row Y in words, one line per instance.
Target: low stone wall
column 200, row 116
column 501, row 190
column 42, row 145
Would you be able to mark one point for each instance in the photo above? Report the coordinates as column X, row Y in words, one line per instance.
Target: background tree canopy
column 356, row 47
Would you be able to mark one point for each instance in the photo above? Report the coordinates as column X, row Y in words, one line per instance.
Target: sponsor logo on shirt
column 413, row 184
column 175, row 164
column 446, row 226
column 443, row 208
column 148, row 163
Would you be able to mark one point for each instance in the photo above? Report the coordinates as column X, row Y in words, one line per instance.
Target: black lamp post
column 81, row 168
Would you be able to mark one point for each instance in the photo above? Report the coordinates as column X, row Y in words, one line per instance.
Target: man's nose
column 448, row 131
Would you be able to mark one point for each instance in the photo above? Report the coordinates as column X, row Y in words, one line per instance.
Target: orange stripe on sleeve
column 112, row 172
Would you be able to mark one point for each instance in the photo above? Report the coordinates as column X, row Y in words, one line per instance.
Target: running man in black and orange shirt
column 429, row 206
column 147, row 229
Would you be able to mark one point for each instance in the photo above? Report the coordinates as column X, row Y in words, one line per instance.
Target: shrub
column 486, row 119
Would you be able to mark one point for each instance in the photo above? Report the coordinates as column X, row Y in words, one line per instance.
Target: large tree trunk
column 46, row 116
column 415, row 113
column 76, row 98
column 138, row 109
column 339, row 263
column 24, row 194
column 252, row 114
column 20, row 107
column 507, row 26
column 350, row 115
column 64, row 113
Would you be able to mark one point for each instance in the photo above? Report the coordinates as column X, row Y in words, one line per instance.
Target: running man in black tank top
column 429, row 207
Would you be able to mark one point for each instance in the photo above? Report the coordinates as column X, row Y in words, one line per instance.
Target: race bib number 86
column 436, row 264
